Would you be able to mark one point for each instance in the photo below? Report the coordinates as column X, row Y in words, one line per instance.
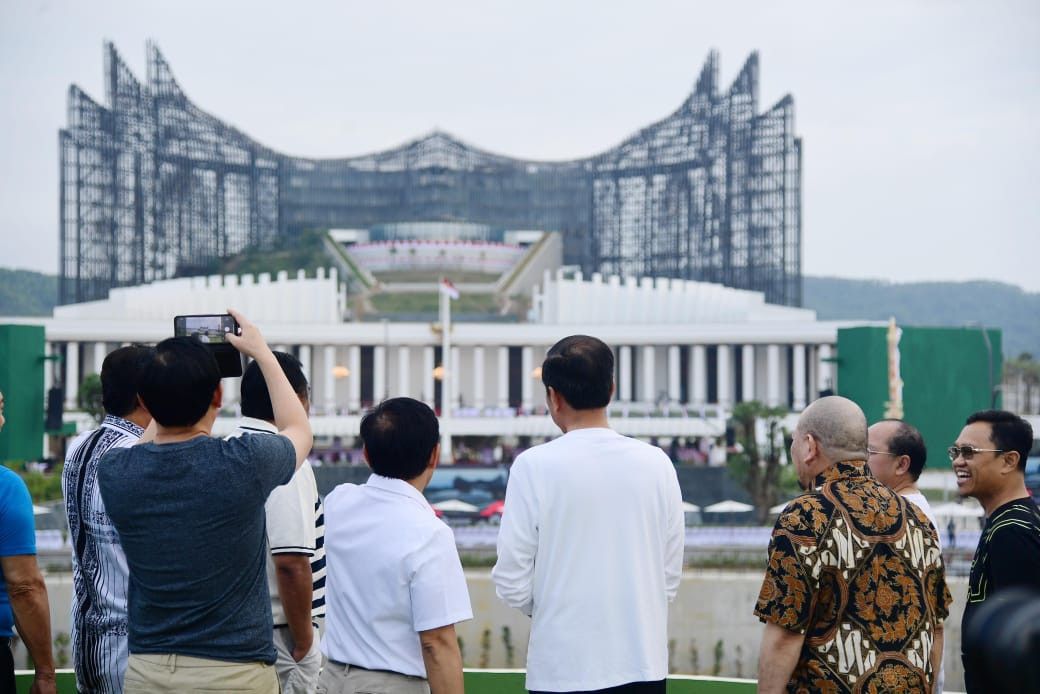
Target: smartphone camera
column 212, row 330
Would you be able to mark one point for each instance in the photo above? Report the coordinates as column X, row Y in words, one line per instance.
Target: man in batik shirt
column 855, row 588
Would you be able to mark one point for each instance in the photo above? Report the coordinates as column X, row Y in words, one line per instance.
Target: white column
column 456, row 378
column 232, row 392
column 814, row 389
column 48, row 370
column 649, row 386
column 826, row 377
column 625, row 369
column 747, row 370
column 100, row 352
column 478, row 378
column 773, row 375
column 329, row 380
column 71, row 374
column 354, row 380
column 698, row 375
column 526, row 366
column 503, row 377
column 724, row 374
column 427, row 376
column 674, row 379
column 403, row 386
column 379, row 386
column 305, row 363
column 798, row 376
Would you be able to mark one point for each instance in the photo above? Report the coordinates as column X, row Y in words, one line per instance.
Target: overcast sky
column 919, row 119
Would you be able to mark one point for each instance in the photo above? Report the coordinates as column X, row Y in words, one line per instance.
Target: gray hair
column 838, row 425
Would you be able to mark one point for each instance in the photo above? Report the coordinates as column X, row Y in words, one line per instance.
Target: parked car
column 492, row 513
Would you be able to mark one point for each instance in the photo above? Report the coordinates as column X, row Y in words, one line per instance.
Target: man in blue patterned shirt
column 99, row 573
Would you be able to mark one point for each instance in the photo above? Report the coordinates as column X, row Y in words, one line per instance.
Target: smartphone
column 212, row 330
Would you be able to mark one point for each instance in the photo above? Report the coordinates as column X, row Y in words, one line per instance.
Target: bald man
column 855, row 588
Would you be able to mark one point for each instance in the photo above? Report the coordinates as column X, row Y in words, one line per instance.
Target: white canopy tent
column 455, row 506
column 729, row 506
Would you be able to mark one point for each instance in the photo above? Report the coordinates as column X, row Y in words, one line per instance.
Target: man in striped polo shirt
column 99, row 572
column 295, row 536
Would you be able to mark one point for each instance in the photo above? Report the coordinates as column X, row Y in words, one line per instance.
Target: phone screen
column 209, row 329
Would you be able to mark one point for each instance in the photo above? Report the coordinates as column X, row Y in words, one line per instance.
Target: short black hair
column 1008, row 431
column 581, row 369
column 179, row 381
column 253, row 394
column 399, row 435
column 121, row 373
column 907, row 440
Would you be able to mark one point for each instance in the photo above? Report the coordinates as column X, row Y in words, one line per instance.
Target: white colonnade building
column 685, row 351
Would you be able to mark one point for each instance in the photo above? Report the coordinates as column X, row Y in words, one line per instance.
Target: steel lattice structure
column 154, row 187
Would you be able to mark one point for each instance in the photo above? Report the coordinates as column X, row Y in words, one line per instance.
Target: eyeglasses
column 871, row 451
column 968, row 452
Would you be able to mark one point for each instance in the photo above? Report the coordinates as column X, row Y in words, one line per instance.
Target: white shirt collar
column 395, row 486
column 122, row 425
column 256, row 426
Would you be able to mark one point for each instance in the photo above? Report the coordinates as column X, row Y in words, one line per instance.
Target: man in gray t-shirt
column 189, row 510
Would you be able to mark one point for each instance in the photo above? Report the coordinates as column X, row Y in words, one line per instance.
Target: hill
column 993, row 304
column 27, row 293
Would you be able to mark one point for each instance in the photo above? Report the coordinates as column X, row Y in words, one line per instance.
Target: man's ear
column 435, row 457
column 218, row 396
column 1011, row 459
column 812, row 448
column 140, row 404
column 364, row 454
column 552, row 398
column 903, row 464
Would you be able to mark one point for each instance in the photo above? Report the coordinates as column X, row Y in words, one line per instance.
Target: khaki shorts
column 301, row 677
column 337, row 678
column 174, row 674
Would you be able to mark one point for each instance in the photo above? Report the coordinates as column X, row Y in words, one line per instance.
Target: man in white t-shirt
column 896, row 457
column 395, row 587
column 603, row 515
column 295, row 538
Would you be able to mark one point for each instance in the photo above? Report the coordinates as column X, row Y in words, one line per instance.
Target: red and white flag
column 448, row 288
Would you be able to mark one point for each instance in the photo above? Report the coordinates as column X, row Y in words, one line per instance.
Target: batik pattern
column 858, row 570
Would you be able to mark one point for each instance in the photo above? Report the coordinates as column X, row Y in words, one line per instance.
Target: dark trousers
column 657, row 687
column 6, row 666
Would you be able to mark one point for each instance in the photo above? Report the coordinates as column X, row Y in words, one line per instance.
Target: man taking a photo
column 189, row 510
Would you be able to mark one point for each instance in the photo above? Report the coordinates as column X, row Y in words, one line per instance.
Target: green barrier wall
column 945, row 372
column 21, row 381
column 494, row 682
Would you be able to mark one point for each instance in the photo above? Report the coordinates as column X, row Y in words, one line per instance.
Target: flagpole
column 446, row 374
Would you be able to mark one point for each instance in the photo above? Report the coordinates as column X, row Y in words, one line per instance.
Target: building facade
column 676, row 374
column 153, row 187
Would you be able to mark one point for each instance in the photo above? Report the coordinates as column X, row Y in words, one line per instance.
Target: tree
column 758, row 470
column 1023, row 371
column 89, row 397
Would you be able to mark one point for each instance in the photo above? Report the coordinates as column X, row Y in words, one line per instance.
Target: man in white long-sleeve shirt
column 591, row 543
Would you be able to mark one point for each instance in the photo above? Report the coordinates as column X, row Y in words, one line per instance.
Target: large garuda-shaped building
column 153, row 187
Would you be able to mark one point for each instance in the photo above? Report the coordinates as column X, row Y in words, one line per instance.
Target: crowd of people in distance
column 212, row 564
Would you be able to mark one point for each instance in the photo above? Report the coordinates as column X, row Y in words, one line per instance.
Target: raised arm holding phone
column 289, row 415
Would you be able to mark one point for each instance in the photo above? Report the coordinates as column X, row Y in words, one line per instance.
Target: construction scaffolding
column 153, row 187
